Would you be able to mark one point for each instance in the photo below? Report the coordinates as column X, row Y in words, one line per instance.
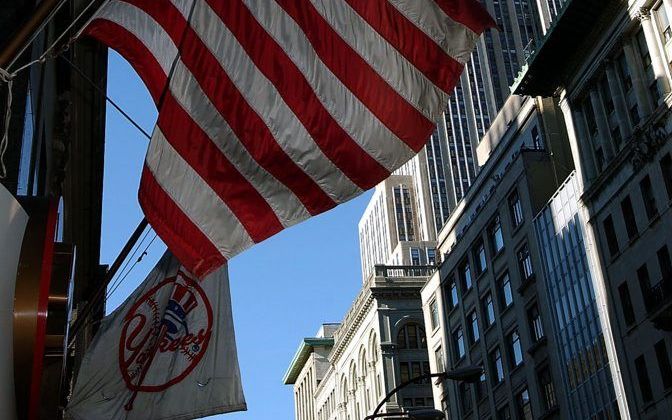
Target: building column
column 602, row 124
column 657, row 61
column 620, row 103
column 638, row 79
column 584, row 161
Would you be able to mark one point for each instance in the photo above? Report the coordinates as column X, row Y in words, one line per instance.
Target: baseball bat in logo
column 164, row 336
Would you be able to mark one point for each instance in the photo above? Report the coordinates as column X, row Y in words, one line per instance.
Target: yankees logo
column 154, row 339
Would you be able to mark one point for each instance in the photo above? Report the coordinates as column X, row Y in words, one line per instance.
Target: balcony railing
column 392, row 271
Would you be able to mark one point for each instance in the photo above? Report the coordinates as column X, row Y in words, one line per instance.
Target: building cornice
column 302, row 355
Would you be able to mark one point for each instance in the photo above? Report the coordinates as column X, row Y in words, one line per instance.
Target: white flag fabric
column 168, row 352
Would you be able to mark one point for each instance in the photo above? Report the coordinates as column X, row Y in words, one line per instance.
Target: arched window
column 344, row 389
column 373, row 347
column 362, row 361
column 411, row 336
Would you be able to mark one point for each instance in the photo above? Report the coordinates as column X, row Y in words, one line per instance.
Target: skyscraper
column 442, row 173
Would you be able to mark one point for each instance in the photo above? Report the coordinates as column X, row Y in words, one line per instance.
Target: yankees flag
column 273, row 111
column 168, row 352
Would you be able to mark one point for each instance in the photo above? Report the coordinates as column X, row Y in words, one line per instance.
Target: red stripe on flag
column 470, row 13
column 198, row 150
column 425, row 54
column 230, row 103
column 184, row 239
column 133, row 50
column 370, row 88
column 297, row 93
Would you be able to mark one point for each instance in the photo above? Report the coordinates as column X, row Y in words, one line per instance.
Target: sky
column 282, row 289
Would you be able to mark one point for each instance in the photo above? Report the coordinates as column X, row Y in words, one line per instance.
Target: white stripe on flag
column 143, row 27
column 386, row 60
column 264, row 98
column 188, row 93
column 362, row 126
column 456, row 39
column 195, row 197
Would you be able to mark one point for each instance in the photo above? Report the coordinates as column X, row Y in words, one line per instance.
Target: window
column 666, row 169
column 536, row 139
column 644, row 281
column 524, row 405
column 547, row 390
column 516, row 209
column 629, row 218
column 465, row 397
column 665, row 264
column 488, row 309
column 496, row 237
column 458, row 342
column 481, row 387
column 434, row 313
column 643, row 379
column 504, row 413
column 610, row 236
column 431, row 256
column 415, row 256
column 438, row 356
column 411, row 336
column 416, row 371
column 454, row 298
column 404, row 374
column 664, row 363
column 479, row 257
column 515, row 349
column 536, row 326
column 624, row 72
column 607, row 99
column 497, row 366
column 647, row 195
column 626, row 303
column 525, row 263
column 465, row 276
column 663, row 23
column 474, row 334
column 425, row 369
column 505, row 294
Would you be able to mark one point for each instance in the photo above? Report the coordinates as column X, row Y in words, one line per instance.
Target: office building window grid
column 560, row 233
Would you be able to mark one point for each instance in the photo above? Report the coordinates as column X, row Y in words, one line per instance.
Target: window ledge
column 515, row 369
column 654, row 219
column 498, row 254
column 549, row 412
column 526, row 283
column 537, row 345
column 517, row 227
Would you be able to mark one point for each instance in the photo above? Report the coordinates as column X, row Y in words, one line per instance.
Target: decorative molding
column 644, row 13
column 646, row 143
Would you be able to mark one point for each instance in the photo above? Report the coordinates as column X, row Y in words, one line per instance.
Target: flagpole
column 44, row 12
column 100, row 293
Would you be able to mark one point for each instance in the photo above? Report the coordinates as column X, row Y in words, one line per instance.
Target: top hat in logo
column 165, row 335
column 181, row 303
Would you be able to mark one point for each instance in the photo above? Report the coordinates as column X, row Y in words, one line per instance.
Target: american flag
column 272, row 111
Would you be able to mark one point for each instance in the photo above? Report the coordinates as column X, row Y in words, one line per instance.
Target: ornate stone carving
column 646, row 142
column 644, row 13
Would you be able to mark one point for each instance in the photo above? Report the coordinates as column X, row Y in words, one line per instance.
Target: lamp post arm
column 401, row 386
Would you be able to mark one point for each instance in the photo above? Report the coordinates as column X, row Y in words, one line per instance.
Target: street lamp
column 467, row 374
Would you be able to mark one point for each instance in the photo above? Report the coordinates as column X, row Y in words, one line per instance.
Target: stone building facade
column 613, row 84
column 343, row 372
column 488, row 304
